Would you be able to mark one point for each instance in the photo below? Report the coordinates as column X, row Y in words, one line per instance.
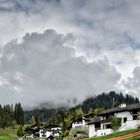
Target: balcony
column 106, row 120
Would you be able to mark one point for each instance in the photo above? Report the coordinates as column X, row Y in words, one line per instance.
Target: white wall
column 104, row 132
column 100, row 132
column 92, row 132
column 125, row 114
column 75, row 124
column 134, row 124
column 47, row 133
column 56, row 128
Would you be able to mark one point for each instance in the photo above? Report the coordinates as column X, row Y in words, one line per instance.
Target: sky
column 63, row 51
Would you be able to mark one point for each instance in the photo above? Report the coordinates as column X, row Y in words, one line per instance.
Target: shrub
column 20, row 132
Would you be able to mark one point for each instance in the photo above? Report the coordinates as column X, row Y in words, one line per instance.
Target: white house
column 101, row 124
column 51, row 130
column 44, row 133
column 79, row 123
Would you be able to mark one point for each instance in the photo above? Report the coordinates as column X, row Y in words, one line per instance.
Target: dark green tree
column 20, row 131
column 19, row 114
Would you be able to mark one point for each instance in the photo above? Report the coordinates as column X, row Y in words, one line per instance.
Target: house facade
column 50, row 131
column 101, row 124
column 80, row 122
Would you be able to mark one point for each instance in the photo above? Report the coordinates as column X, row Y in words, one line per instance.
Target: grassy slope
column 113, row 135
column 134, row 138
column 8, row 133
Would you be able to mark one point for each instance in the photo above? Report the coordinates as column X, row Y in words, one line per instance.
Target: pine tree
column 19, row 114
column 15, row 112
column 1, row 116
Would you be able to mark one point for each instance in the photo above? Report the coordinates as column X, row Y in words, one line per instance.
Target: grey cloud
column 132, row 84
column 43, row 68
column 100, row 29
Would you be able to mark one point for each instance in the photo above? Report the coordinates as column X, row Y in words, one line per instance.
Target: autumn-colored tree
column 33, row 121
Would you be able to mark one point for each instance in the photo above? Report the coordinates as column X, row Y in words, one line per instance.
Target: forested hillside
column 44, row 114
column 107, row 100
column 92, row 104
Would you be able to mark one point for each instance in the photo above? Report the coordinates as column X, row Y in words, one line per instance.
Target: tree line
column 11, row 115
column 107, row 100
column 65, row 116
column 91, row 104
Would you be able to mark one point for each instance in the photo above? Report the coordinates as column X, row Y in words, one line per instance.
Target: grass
column 116, row 134
column 8, row 133
column 134, row 138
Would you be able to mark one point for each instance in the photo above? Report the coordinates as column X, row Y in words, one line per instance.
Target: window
column 97, row 126
column 124, row 119
column 134, row 117
column 108, row 126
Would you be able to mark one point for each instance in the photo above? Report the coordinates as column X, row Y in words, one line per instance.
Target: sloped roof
column 119, row 109
column 94, row 120
column 51, row 126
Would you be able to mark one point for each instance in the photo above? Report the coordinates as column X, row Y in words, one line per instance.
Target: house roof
column 51, row 137
column 28, row 130
column 131, row 107
column 120, row 109
column 94, row 120
column 79, row 119
column 51, row 126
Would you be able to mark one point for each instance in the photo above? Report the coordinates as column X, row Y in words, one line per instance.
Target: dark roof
column 79, row 119
column 51, row 126
column 120, row 109
column 31, row 130
column 85, row 117
column 51, row 137
column 94, row 120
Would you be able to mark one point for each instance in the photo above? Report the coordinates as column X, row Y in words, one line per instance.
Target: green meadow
column 8, row 133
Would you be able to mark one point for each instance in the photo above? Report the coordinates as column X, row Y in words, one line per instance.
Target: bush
column 20, row 132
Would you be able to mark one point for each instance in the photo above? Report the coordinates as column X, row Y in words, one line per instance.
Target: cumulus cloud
column 43, row 68
column 101, row 28
column 131, row 84
column 99, row 33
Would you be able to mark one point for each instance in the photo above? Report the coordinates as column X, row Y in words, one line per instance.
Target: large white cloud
column 132, row 84
column 106, row 30
column 43, row 68
column 101, row 28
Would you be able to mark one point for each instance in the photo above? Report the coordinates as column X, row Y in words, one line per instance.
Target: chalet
column 50, row 131
column 101, row 124
column 32, row 131
column 82, row 121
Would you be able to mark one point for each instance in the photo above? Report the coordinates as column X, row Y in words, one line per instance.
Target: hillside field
column 8, row 133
